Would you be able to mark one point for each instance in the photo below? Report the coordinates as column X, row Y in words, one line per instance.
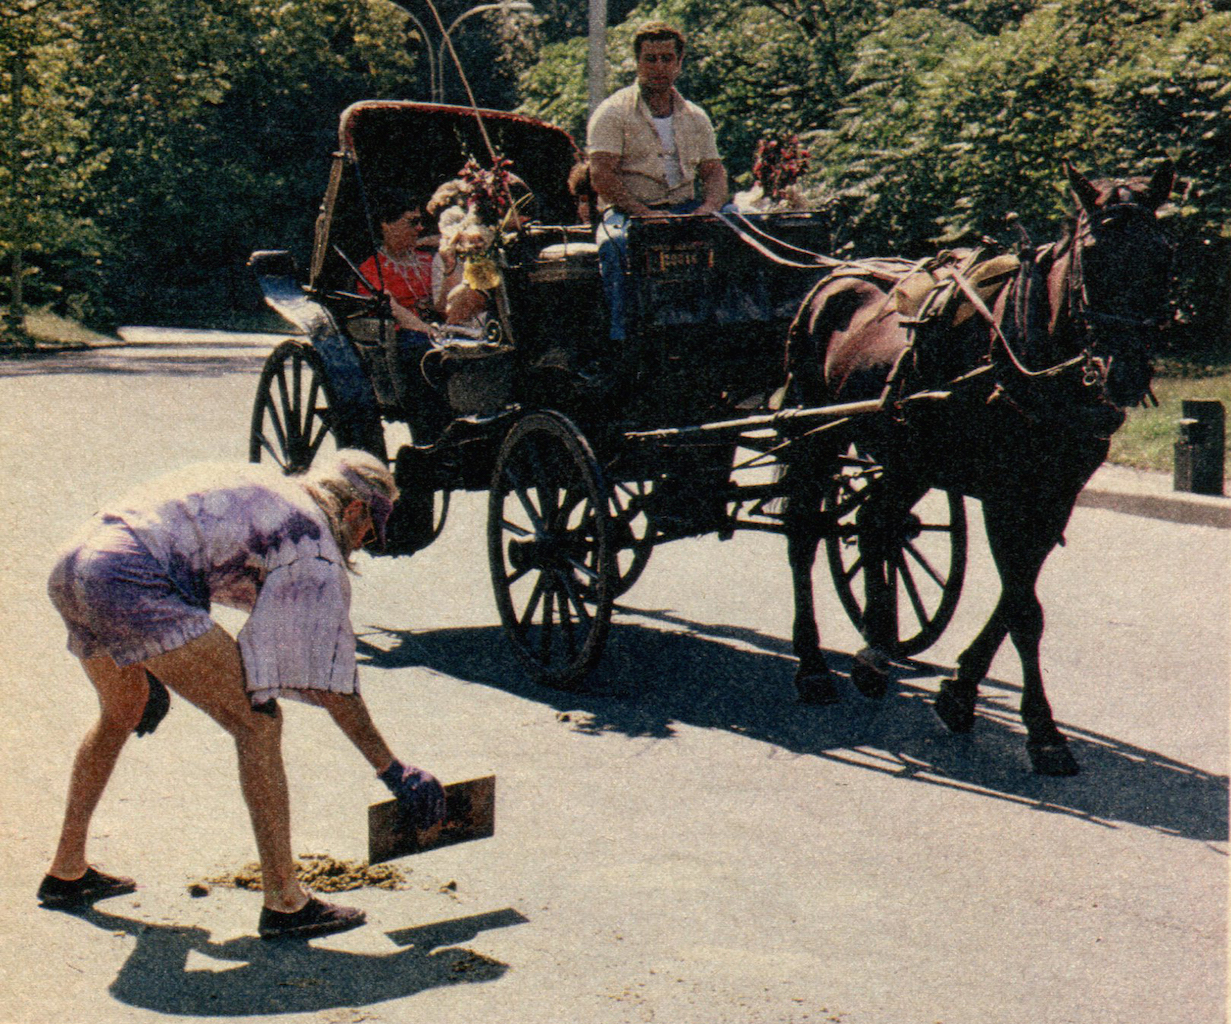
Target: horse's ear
column 1084, row 191
column 1161, row 185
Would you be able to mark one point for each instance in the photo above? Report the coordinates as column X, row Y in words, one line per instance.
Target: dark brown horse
column 1065, row 347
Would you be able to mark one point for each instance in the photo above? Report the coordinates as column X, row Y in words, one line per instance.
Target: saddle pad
column 987, row 278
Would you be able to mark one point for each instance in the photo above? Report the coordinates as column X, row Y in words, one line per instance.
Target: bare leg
column 208, row 673
column 121, row 697
column 350, row 713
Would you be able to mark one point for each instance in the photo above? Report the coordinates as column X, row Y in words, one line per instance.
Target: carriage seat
column 572, row 261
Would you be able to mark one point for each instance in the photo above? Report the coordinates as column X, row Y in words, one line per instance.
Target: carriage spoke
column 309, row 413
column 277, row 456
column 923, row 562
column 314, row 444
column 275, row 419
column 523, row 496
column 512, row 577
column 577, row 601
column 512, row 527
column 526, row 619
column 297, row 392
column 853, row 570
column 566, row 622
column 583, row 569
column 912, row 591
column 549, row 607
column 286, row 408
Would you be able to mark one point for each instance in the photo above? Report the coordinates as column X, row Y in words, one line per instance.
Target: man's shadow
column 287, row 976
column 740, row 680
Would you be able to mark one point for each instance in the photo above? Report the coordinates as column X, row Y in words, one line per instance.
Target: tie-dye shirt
column 250, row 538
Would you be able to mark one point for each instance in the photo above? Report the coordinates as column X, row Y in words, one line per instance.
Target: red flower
column 778, row 163
column 488, row 189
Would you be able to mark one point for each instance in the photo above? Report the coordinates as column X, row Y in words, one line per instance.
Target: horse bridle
column 1086, row 317
column 1081, row 309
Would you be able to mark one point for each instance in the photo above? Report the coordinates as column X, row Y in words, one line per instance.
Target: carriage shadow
column 252, row 977
column 717, row 677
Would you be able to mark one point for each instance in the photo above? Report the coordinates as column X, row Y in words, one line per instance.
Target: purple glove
column 420, row 796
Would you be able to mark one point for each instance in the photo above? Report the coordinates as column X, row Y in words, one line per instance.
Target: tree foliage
column 48, row 162
column 151, row 146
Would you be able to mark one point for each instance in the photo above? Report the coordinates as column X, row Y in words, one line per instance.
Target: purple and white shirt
column 250, row 538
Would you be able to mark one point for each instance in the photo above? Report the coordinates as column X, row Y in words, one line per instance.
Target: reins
column 749, row 234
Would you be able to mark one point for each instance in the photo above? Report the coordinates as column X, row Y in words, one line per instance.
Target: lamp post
column 508, row 6
column 436, row 56
column 431, row 53
column 596, row 77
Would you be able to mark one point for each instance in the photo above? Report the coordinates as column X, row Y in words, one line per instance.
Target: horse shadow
column 721, row 677
column 290, row 976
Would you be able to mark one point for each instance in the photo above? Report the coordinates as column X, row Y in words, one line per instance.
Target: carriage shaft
column 730, row 429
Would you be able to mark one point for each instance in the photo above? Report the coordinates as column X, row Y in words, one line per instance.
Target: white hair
column 347, row 475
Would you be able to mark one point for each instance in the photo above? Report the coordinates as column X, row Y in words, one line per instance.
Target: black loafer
column 316, row 917
column 79, row 892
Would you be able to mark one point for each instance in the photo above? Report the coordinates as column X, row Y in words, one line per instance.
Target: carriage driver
column 647, row 147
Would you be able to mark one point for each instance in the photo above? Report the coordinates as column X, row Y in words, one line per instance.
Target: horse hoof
column 816, row 688
column 870, row 674
column 1052, row 758
column 957, row 713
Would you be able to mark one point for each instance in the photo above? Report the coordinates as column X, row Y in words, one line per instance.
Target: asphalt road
column 685, row 843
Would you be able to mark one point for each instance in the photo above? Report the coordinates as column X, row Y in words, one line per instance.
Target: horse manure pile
column 322, row 873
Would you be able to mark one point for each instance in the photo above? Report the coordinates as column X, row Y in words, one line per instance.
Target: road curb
column 1143, row 493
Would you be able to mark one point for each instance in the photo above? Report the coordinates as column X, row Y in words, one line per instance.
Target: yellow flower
column 481, row 274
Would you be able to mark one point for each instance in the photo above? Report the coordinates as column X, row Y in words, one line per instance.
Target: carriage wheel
column 294, row 417
column 632, row 531
column 549, row 543
column 926, row 556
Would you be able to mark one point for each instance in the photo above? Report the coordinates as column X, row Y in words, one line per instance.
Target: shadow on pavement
column 717, row 677
column 255, row 978
column 132, row 361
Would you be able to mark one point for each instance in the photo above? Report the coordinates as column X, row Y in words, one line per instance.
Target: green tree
column 219, row 116
column 981, row 128
column 47, row 162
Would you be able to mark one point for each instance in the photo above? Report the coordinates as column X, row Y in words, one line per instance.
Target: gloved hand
column 420, row 796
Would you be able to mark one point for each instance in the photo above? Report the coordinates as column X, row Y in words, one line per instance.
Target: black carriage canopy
column 416, row 147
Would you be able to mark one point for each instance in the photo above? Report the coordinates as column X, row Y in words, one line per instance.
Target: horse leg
column 880, row 537
column 955, row 704
column 1019, row 550
column 870, row 667
column 813, row 680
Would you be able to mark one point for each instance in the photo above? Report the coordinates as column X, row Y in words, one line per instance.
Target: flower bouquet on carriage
column 779, row 162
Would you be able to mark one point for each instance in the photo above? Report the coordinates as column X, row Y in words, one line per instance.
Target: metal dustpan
column 470, row 813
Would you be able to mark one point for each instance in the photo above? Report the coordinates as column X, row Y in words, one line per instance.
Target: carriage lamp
column 1199, row 451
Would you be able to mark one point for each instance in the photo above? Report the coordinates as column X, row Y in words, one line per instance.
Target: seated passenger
column 402, row 266
column 402, row 270
column 474, row 211
column 460, row 302
column 581, row 188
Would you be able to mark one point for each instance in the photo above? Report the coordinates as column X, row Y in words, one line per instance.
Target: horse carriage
column 693, row 428
column 585, row 477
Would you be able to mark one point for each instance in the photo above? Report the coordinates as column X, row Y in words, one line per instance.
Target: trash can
column 1199, row 451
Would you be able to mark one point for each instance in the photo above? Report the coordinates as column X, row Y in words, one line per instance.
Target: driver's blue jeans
column 612, row 238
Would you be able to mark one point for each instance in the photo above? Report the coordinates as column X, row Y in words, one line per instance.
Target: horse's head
column 1117, row 278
